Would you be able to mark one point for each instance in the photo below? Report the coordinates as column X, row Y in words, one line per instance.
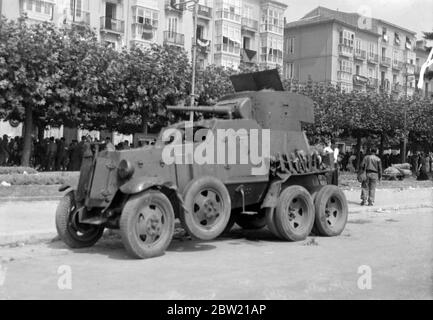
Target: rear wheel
column 331, row 211
column 207, row 208
column 70, row 230
column 147, row 224
column 294, row 214
column 270, row 222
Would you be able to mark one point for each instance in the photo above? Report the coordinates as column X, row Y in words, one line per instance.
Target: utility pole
column 194, row 56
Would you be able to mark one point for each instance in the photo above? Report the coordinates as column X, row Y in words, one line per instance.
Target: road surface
column 380, row 255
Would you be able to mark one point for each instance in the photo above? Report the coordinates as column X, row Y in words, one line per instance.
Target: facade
column 229, row 31
column 338, row 47
column 422, row 52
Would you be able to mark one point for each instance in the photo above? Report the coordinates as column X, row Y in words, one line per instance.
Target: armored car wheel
column 331, row 211
column 270, row 222
column 207, row 208
column 73, row 233
column 147, row 224
column 294, row 214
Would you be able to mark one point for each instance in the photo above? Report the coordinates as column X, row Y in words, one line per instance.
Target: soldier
column 372, row 167
column 51, row 154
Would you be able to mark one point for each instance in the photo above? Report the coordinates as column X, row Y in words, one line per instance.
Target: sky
column 415, row 15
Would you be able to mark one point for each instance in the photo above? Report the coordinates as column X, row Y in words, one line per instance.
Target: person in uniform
column 372, row 166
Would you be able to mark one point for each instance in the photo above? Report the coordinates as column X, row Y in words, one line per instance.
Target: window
column 42, row 9
column 272, row 20
column 289, row 71
column 358, row 70
column 146, row 16
column 384, row 34
column 290, row 45
column 346, row 66
column 229, row 9
column 372, row 49
column 272, row 49
column 172, row 25
column 371, row 73
column 38, row 6
column 347, row 38
column 396, row 38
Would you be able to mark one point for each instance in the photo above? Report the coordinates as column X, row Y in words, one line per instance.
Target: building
column 230, row 32
column 422, row 52
column 344, row 48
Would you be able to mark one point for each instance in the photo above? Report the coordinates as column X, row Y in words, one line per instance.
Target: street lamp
column 194, row 9
column 407, row 75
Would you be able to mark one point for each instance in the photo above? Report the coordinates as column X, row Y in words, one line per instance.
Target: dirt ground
column 380, row 255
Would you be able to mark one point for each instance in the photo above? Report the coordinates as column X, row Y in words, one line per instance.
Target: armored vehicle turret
column 245, row 161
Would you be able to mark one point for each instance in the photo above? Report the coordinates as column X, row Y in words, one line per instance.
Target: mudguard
column 140, row 184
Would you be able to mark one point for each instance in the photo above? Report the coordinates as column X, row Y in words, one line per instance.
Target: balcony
column 143, row 32
column 38, row 10
column 396, row 88
column 226, row 48
column 384, row 86
column 250, row 24
column 248, row 56
column 112, row 25
column 360, row 54
column 345, row 50
column 409, row 69
column 359, row 80
column 204, row 12
column 221, row 14
column 385, row 61
column 372, row 83
column 78, row 17
column 173, row 38
column 372, row 58
column 203, row 46
column 397, row 65
column 170, row 6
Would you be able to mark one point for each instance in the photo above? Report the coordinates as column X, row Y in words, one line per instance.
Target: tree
column 29, row 73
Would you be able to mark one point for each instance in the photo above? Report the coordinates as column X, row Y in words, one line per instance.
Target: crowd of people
column 52, row 154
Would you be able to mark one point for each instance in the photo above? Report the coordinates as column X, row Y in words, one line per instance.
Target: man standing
column 372, row 167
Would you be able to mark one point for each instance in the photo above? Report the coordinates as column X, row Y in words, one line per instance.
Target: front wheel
column 147, row 224
column 70, row 230
column 207, row 208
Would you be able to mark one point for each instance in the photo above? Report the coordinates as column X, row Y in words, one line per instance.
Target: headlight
column 125, row 169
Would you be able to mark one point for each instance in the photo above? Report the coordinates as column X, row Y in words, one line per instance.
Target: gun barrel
column 204, row 109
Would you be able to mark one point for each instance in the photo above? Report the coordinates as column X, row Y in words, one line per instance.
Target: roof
column 323, row 20
column 278, row 3
column 322, row 14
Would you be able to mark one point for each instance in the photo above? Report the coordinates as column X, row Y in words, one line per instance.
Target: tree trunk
column 358, row 151
column 41, row 132
column 144, row 124
column 28, row 130
column 382, row 144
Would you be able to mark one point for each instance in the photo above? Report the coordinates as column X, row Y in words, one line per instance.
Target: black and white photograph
column 216, row 155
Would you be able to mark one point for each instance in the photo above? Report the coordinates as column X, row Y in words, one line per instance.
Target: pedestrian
column 371, row 168
column 109, row 146
column 422, row 168
column 51, row 154
column 332, row 151
column 62, row 155
column 5, row 152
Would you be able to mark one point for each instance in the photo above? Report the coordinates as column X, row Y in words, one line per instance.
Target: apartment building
column 422, row 51
column 228, row 31
column 339, row 47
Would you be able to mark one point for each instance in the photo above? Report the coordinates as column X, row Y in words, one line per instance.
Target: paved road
column 396, row 246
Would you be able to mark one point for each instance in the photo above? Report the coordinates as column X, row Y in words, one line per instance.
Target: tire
column 270, row 222
column 294, row 214
column 331, row 211
column 254, row 222
column 230, row 224
column 73, row 233
column 147, row 224
column 207, row 208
